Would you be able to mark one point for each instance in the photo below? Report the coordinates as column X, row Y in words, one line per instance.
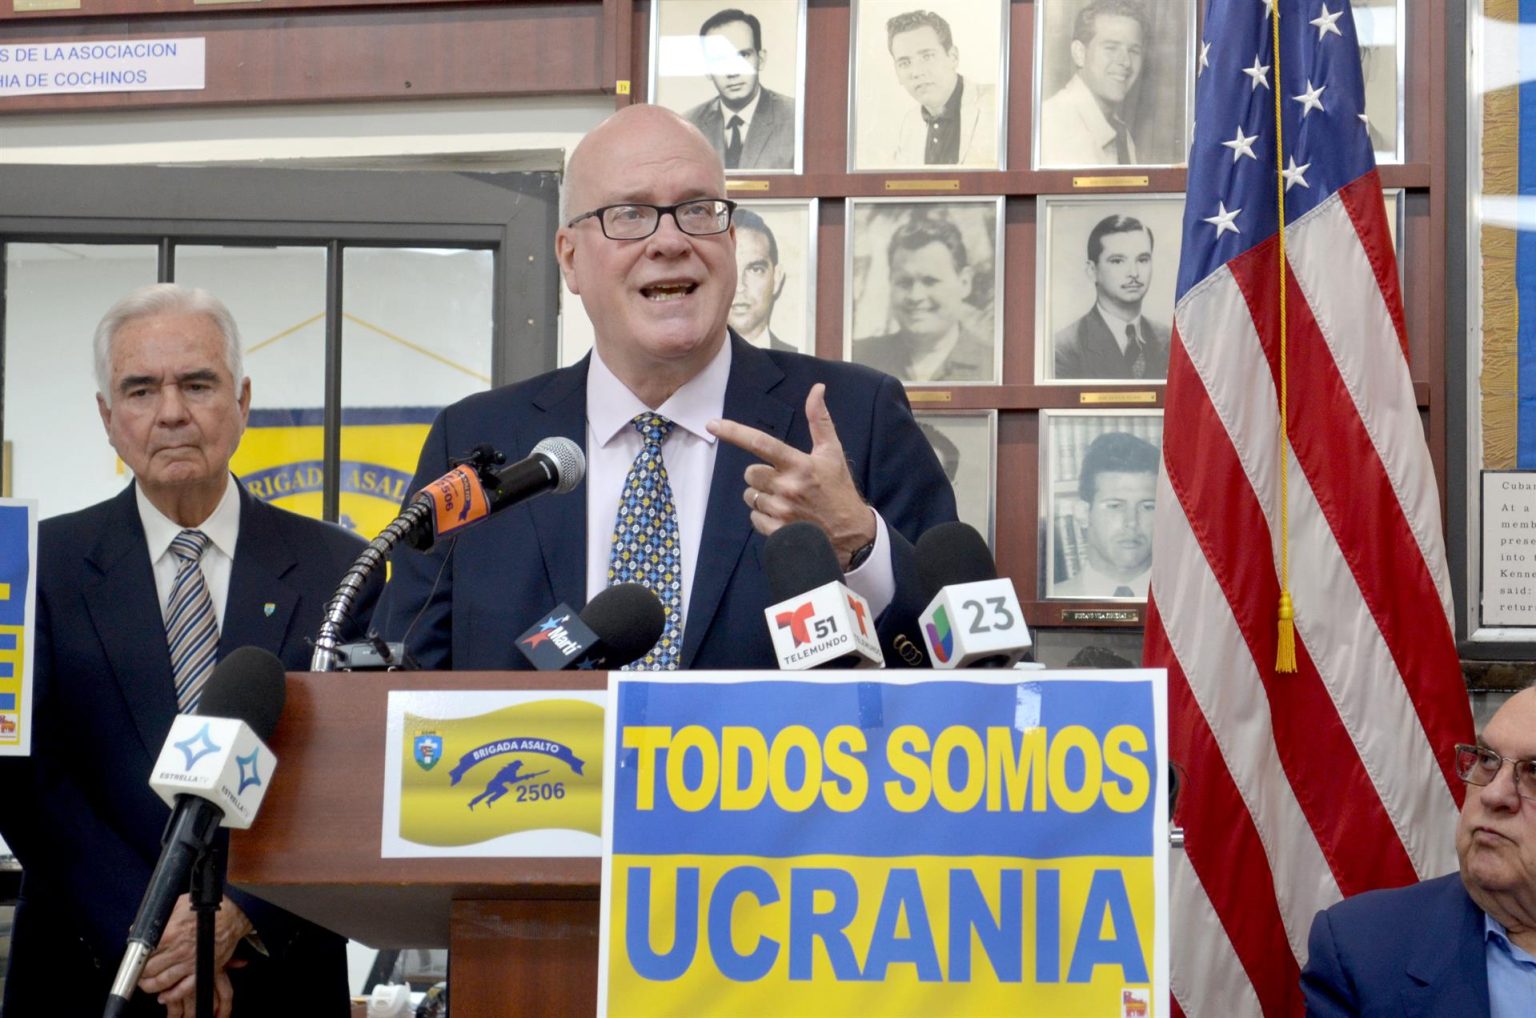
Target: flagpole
column 1285, row 648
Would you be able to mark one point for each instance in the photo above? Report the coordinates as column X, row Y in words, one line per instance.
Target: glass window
column 416, row 336
column 54, row 296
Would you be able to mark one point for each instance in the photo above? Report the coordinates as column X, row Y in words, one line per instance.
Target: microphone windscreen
column 953, row 553
column 799, row 557
column 628, row 618
column 250, row 685
column 570, row 463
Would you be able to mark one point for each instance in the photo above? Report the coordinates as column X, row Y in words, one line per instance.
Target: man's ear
column 565, row 255
column 1080, row 510
column 1079, row 54
column 778, row 281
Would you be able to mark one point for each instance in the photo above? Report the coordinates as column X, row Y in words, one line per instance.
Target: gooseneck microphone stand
column 414, row 519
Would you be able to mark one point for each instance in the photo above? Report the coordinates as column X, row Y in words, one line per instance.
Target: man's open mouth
column 668, row 291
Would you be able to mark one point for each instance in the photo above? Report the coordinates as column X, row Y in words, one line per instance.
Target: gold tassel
column 1285, row 652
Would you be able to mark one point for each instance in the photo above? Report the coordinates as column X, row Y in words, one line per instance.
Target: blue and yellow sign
column 831, row 846
column 494, row 773
column 279, row 461
column 18, row 554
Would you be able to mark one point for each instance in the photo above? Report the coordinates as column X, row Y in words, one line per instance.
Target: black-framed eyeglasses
column 1479, row 765
column 700, row 217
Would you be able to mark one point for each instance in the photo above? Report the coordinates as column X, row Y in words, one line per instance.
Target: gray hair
column 158, row 299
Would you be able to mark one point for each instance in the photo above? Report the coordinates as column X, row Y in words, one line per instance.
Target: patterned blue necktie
column 646, row 548
column 190, row 625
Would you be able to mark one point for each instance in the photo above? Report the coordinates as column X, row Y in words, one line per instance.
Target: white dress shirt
column 222, row 528
column 689, row 455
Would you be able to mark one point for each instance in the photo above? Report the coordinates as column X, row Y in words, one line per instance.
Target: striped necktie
column 1135, row 353
column 190, row 626
column 646, row 547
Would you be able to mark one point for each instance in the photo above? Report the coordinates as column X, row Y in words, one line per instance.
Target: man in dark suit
column 931, row 279
column 1114, row 339
column 749, row 126
column 759, row 281
column 1462, row 944
column 747, row 443
column 79, row 812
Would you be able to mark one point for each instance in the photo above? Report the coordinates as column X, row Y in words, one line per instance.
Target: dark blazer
column 1087, row 349
column 507, row 570
column 1410, row 952
column 80, row 814
column 770, row 140
column 972, row 360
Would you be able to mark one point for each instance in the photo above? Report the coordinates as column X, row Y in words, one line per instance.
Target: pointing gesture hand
column 790, row 485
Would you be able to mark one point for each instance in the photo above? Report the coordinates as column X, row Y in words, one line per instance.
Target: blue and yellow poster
column 280, row 461
column 494, row 773
column 828, row 845
column 18, row 585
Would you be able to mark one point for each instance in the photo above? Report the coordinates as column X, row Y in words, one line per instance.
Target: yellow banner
column 282, row 463
column 530, row 767
column 905, row 935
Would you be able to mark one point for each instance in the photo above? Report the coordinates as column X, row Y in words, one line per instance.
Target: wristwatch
column 860, row 555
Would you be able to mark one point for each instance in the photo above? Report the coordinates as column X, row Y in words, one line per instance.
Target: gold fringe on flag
column 1285, row 649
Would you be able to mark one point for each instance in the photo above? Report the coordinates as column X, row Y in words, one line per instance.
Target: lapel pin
column 268, row 608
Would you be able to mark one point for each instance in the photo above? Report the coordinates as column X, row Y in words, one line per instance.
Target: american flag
column 1300, row 787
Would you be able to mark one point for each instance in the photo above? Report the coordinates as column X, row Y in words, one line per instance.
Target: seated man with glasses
column 1463, row 944
column 698, row 444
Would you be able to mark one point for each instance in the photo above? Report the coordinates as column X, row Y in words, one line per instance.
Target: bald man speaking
column 698, row 444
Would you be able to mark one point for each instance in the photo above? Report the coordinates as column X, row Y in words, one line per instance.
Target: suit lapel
column 125, row 611
column 1098, row 338
column 259, row 611
column 1447, row 968
column 561, row 522
column 763, row 125
column 727, row 520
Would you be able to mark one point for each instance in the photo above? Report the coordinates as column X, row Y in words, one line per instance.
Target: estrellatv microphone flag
column 1310, row 781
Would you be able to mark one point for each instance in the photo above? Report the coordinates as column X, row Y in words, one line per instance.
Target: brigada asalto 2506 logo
column 526, row 768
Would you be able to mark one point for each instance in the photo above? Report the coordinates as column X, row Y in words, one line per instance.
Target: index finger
column 759, row 443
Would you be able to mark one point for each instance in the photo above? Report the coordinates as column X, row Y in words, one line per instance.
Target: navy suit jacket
column 1087, row 349
column 507, row 570
column 770, row 141
column 1410, row 952
column 79, row 813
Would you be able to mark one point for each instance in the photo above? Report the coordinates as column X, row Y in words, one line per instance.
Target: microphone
column 621, row 624
column 974, row 619
column 818, row 621
column 213, row 771
column 478, row 487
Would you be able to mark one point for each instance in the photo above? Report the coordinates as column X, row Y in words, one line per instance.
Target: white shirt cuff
column 875, row 580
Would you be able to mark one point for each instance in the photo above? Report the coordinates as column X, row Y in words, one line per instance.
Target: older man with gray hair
column 1463, row 944
column 137, row 598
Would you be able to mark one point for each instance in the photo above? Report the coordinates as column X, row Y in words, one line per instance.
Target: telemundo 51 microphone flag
column 18, row 593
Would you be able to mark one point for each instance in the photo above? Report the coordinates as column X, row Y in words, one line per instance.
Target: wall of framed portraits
column 985, row 199
column 952, row 196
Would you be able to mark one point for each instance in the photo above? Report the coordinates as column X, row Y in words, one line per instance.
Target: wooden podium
column 522, row 934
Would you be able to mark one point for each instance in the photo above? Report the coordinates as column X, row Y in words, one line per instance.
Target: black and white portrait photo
column 1099, row 491
column 734, row 71
column 1379, row 27
column 1113, row 82
column 775, row 300
column 1106, row 269
column 927, row 84
column 921, row 285
column 966, row 443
